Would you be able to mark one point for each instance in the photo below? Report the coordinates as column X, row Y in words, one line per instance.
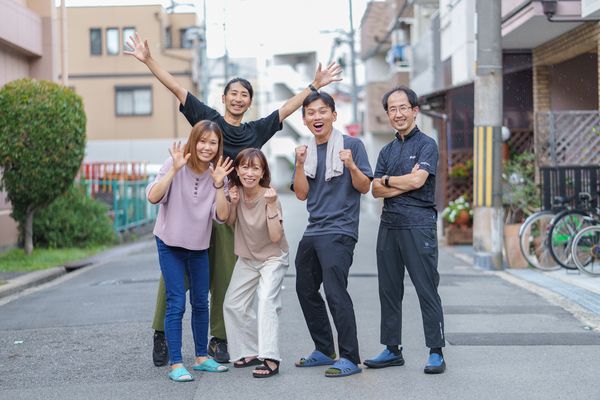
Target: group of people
column 220, row 230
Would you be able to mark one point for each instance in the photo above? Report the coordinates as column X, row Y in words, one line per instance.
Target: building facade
column 28, row 37
column 130, row 115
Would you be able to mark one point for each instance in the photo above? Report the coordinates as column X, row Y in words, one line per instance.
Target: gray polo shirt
column 333, row 206
column 415, row 208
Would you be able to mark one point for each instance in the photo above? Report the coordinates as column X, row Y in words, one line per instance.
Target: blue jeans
column 175, row 264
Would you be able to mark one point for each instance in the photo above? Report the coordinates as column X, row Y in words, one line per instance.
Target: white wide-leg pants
column 253, row 332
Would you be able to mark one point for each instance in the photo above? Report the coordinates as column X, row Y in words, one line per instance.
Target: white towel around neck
column 333, row 165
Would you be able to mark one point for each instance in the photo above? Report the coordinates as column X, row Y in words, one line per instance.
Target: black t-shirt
column 415, row 208
column 235, row 138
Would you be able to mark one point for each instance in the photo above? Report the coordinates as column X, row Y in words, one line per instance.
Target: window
column 96, row 41
column 112, row 41
column 168, row 37
column 185, row 40
column 133, row 100
column 127, row 33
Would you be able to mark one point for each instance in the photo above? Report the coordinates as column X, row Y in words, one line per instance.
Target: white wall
column 458, row 38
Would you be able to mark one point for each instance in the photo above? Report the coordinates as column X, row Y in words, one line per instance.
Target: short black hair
column 243, row 82
column 413, row 99
column 314, row 96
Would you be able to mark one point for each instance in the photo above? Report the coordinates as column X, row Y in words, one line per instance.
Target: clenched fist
column 301, row 154
column 346, row 157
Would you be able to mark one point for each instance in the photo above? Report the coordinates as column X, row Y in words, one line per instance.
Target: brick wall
column 583, row 39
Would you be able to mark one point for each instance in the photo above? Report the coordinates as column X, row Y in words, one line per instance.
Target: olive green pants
column 222, row 260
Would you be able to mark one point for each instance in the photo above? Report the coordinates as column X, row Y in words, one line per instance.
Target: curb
column 31, row 279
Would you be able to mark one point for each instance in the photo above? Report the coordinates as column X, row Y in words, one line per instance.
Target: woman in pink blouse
column 190, row 189
column 262, row 250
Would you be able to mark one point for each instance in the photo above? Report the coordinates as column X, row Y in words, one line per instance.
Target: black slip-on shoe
column 160, row 354
column 217, row 349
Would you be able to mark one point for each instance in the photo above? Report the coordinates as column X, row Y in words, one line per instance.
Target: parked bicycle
column 533, row 236
column 564, row 227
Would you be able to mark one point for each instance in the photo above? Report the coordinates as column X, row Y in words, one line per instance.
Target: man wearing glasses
column 407, row 238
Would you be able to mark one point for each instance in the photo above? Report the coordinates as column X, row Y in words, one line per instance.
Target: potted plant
column 520, row 198
column 458, row 221
column 461, row 171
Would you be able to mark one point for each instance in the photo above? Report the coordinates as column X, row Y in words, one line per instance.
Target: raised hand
column 234, row 195
column 141, row 51
column 270, row 195
column 301, row 153
column 220, row 170
column 346, row 157
column 324, row 77
column 179, row 159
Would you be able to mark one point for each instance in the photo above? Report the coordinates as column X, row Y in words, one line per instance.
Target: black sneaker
column 160, row 355
column 217, row 349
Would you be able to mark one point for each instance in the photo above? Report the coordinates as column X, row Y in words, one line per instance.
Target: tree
column 42, row 144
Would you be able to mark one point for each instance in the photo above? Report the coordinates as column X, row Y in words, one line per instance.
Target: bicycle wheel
column 533, row 240
column 563, row 228
column 586, row 250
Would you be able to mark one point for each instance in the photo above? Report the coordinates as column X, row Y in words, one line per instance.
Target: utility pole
column 488, row 218
column 226, row 54
column 353, row 67
column 63, row 44
column 204, row 79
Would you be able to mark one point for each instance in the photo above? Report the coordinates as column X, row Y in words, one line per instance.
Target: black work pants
column 416, row 250
column 327, row 259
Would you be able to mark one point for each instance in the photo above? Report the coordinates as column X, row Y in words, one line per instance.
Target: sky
column 248, row 27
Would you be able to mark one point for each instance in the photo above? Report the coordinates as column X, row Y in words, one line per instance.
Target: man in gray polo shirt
column 331, row 174
column 407, row 238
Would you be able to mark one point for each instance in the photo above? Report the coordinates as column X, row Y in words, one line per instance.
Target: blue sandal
column 181, row 375
column 315, row 359
column 342, row 367
column 210, row 365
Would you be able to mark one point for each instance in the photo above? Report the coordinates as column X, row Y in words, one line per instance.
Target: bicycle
column 565, row 225
column 533, row 235
column 586, row 250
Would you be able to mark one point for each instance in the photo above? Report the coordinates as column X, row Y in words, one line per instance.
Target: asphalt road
column 87, row 335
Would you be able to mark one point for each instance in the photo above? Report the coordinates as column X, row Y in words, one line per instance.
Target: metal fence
column 567, row 138
column 129, row 207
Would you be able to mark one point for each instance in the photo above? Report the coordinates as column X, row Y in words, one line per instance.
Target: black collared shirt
column 415, row 208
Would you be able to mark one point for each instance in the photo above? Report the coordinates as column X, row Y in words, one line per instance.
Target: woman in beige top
column 262, row 250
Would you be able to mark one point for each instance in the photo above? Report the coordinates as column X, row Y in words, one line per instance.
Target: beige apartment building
column 27, row 49
column 130, row 115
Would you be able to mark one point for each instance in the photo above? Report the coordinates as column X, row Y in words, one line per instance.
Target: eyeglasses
column 402, row 110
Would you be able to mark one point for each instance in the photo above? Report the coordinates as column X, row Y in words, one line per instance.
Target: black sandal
column 243, row 363
column 266, row 367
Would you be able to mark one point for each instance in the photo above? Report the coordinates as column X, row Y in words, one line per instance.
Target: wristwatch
column 312, row 88
column 385, row 180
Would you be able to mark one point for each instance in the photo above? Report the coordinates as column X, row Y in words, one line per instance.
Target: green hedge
column 73, row 220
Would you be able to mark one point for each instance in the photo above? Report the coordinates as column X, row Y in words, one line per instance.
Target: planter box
column 512, row 251
column 458, row 235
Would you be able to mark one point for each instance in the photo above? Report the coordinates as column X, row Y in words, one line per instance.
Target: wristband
column 311, row 87
column 385, row 180
column 219, row 187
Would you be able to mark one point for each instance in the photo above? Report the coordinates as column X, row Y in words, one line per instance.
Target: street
column 87, row 335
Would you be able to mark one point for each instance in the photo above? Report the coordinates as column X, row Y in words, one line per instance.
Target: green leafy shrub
column 73, row 220
column 42, row 144
column 520, row 193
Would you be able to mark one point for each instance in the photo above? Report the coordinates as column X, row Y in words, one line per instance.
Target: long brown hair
column 200, row 130
column 251, row 156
